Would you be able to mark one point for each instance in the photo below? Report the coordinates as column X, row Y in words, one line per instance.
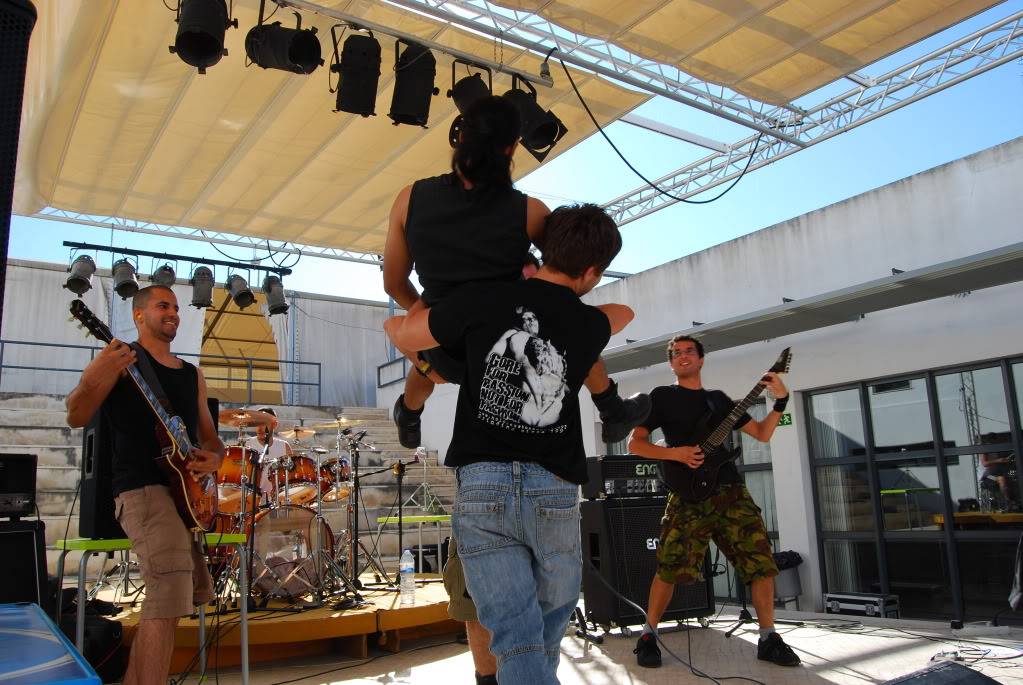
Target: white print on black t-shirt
column 524, row 383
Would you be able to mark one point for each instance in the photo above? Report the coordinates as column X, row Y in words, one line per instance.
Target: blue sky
column 979, row 113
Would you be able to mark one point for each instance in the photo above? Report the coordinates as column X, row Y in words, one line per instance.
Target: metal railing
column 251, row 366
column 392, row 372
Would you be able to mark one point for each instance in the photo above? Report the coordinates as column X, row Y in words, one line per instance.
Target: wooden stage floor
column 277, row 634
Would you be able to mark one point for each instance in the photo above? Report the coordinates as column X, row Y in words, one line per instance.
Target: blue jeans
column 517, row 530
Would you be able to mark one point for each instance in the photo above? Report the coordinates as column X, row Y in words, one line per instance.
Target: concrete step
column 44, row 437
column 39, row 418
column 17, row 400
column 48, row 456
column 55, row 502
column 57, row 525
column 57, row 478
column 97, row 563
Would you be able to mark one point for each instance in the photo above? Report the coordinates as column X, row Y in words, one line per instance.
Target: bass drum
column 285, row 543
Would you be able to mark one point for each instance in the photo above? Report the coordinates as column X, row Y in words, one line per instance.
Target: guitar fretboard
column 720, row 434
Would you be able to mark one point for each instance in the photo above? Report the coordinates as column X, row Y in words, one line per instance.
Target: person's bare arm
column 763, row 430
column 207, row 457
column 98, row 379
column 536, row 219
column 411, row 332
column 397, row 258
column 640, row 445
column 619, row 316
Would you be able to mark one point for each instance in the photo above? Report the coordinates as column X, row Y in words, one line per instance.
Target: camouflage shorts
column 731, row 519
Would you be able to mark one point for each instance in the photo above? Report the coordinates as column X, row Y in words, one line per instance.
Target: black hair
column 141, row 298
column 577, row 237
column 685, row 338
column 268, row 410
column 488, row 128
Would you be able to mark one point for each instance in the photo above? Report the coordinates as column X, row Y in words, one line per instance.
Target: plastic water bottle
column 407, row 573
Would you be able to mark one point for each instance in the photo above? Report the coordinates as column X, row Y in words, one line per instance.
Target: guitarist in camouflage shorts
column 729, row 516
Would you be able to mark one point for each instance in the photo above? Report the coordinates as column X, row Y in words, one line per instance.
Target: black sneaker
column 774, row 649
column 410, row 432
column 626, row 415
column 648, row 654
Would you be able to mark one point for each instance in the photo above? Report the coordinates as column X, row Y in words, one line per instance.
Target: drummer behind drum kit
column 278, row 503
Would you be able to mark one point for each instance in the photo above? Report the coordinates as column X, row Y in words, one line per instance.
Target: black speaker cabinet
column 619, row 538
column 22, row 549
column 17, row 485
column 96, row 513
column 944, row 673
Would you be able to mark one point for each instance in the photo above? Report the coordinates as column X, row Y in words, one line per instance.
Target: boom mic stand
column 352, row 443
column 745, row 617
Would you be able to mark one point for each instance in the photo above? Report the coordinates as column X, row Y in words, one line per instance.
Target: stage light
column 471, row 88
column 164, row 275
column 202, row 287
column 414, row 73
column 240, row 292
column 201, row 28
column 274, row 289
column 125, row 283
column 80, row 279
column 273, row 46
column 359, row 69
column 540, row 130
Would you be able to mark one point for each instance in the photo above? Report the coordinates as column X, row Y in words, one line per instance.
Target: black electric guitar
column 194, row 496
column 695, row 485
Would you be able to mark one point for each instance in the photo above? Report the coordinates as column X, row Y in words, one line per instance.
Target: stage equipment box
column 861, row 604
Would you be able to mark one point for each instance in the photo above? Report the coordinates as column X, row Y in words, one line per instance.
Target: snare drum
column 295, row 480
column 238, row 462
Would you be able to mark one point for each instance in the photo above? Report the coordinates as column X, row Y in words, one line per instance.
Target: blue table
column 33, row 650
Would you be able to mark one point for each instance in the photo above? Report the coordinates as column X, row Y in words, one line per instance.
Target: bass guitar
column 695, row 485
column 194, row 496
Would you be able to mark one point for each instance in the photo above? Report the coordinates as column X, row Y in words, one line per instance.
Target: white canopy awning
column 114, row 124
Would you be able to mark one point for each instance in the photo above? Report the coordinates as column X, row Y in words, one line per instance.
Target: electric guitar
column 194, row 496
column 695, row 485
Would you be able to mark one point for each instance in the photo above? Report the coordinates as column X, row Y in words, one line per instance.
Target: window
column 973, row 408
column 921, row 490
column 900, row 416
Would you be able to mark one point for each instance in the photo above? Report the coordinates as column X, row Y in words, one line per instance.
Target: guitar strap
column 149, row 375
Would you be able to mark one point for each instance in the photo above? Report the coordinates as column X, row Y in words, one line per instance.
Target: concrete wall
column 961, row 208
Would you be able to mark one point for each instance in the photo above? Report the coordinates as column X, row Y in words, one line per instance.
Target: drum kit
column 275, row 492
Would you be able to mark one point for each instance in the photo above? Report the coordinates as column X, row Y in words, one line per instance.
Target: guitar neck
column 720, row 433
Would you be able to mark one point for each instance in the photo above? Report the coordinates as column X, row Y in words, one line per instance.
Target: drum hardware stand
column 352, row 443
column 431, row 503
column 324, row 561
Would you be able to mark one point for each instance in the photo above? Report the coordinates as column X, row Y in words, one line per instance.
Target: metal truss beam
column 597, row 55
column 997, row 44
column 150, row 228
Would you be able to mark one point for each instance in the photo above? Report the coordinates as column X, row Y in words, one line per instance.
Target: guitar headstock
column 783, row 363
column 91, row 322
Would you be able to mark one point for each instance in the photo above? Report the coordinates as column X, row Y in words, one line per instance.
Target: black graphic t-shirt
column 677, row 411
column 529, row 346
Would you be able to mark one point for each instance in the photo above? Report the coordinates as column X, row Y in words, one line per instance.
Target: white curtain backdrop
column 36, row 311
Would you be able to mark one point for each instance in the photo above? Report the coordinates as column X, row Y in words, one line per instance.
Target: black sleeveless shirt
column 458, row 236
column 133, row 425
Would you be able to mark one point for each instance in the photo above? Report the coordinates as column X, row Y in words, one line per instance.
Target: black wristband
column 780, row 404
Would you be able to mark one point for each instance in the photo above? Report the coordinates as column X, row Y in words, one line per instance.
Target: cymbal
column 297, row 433
column 241, row 418
column 340, row 422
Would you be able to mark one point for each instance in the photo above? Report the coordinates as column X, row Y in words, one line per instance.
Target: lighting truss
column 786, row 128
column 527, row 30
column 997, row 44
column 150, row 228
